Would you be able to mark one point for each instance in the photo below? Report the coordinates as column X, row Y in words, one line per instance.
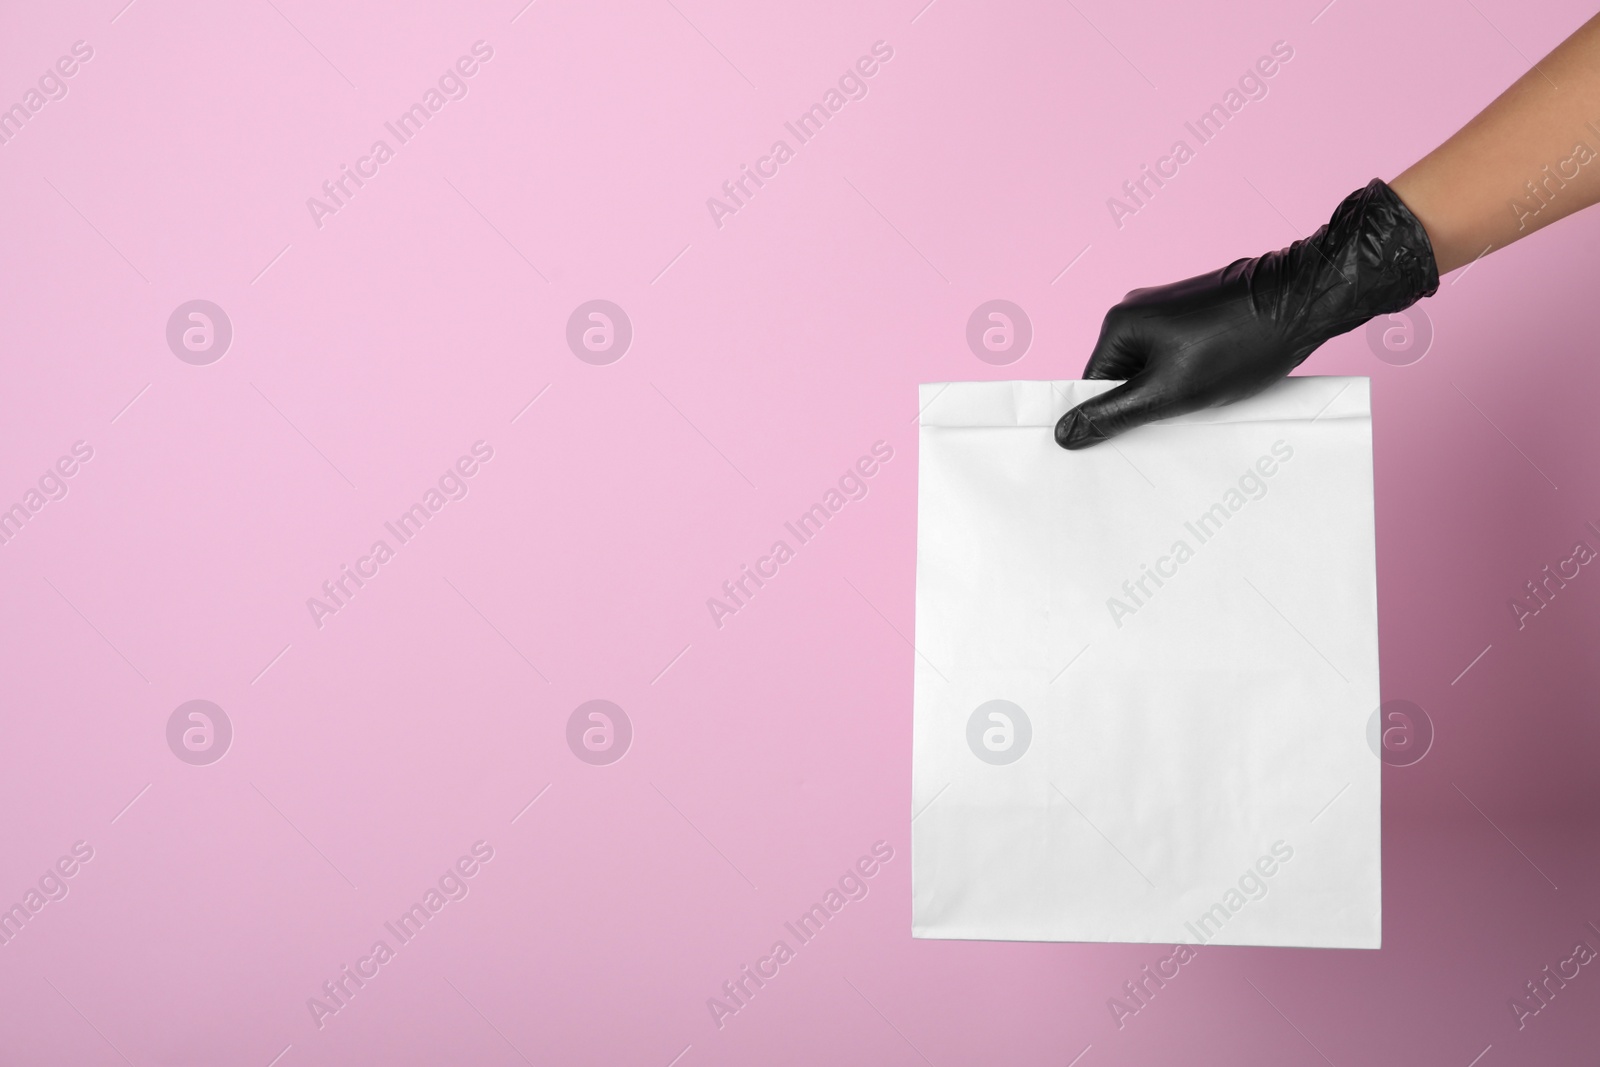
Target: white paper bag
column 1145, row 671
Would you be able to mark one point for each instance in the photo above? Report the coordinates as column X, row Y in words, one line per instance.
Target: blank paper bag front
column 1145, row 671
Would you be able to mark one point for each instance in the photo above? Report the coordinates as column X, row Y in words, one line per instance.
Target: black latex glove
column 1229, row 334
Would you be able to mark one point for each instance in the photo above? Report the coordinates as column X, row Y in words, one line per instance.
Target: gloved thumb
column 1117, row 410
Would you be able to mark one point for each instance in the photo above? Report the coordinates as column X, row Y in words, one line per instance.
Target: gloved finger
column 1117, row 410
column 1119, row 354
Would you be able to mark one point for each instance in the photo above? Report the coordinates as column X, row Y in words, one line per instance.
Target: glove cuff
column 1394, row 257
column 1372, row 258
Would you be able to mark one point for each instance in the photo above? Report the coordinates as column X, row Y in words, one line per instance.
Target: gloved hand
column 1229, row 334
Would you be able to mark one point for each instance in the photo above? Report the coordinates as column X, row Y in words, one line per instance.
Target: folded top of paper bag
column 1041, row 403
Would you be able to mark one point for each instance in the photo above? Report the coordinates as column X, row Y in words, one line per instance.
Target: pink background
column 767, row 356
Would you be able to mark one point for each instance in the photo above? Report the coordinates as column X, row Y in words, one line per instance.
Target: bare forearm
column 1529, row 158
